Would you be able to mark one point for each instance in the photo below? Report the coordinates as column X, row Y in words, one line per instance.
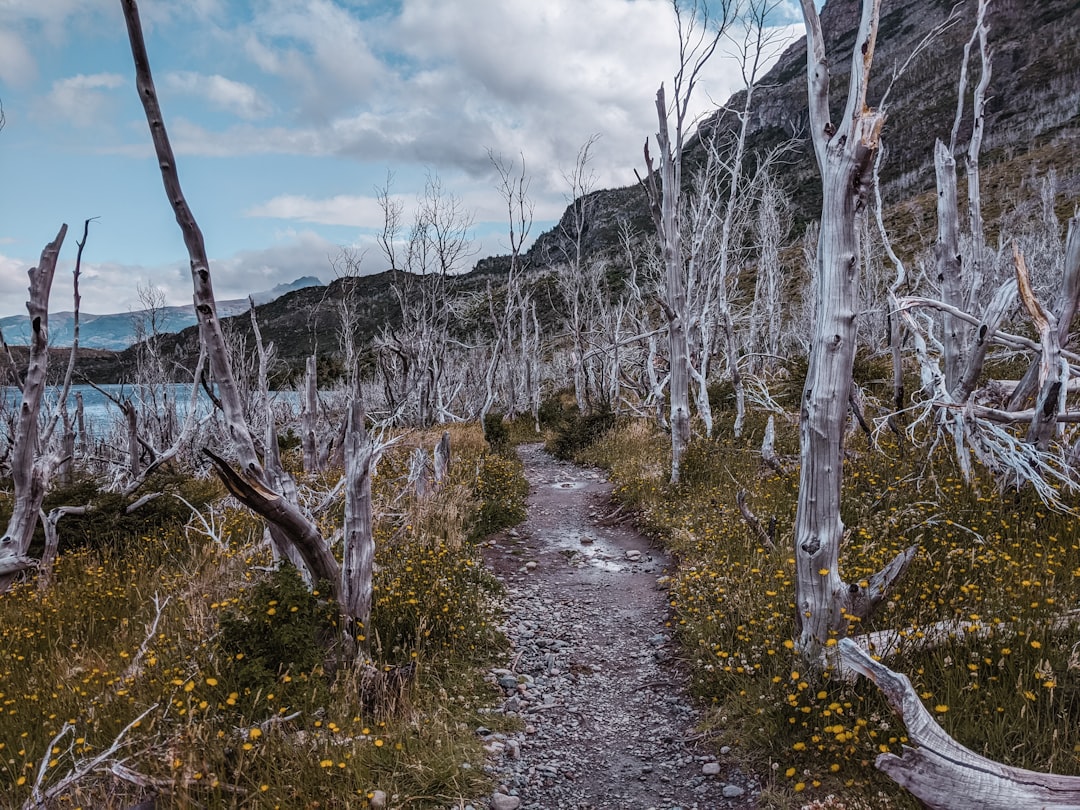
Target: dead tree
column 845, row 156
column 413, row 357
column 442, row 458
column 511, row 356
column 721, row 214
column 697, row 43
column 1068, row 300
column 296, row 534
column 309, row 415
column 30, row 471
column 580, row 278
column 358, row 563
column 939, row 771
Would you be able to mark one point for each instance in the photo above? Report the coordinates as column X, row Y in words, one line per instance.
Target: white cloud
column 441, row 82
column 341, row 209
column 234, row 97
column 318, row 48
column 13, row 285
column 17, row 65
column 79, row 100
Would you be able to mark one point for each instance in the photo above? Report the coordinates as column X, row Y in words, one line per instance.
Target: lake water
column 100, row 413
column 98, row 410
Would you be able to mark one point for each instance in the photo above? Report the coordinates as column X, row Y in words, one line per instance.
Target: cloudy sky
column 286, row 115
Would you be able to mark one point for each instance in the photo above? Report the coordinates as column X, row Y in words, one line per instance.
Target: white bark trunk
column 250, row 485
column 359, row 551
column 309, row 416
column 950, row 272
column 442, row 458
column 29, row 473
column 845, row 157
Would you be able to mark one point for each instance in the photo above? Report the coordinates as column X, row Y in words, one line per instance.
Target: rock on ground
column 594, row 678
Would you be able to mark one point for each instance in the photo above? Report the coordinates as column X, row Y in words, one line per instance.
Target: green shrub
column 501, row 490
column 107, row 521
column 576, row 431
column 496, row 432
column 277, row 627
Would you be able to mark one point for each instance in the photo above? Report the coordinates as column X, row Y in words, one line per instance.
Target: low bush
column 275, row 633
column 575, row 431
column 496, row 432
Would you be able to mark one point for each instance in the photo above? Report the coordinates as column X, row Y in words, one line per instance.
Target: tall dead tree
column 293, row 532
column 580, row 276
column 700, row 31
column 512, row 356
column 359, row 550
column 30, row 470
column 845, row 157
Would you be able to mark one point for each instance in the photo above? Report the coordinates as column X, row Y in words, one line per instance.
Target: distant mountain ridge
column 120, row 330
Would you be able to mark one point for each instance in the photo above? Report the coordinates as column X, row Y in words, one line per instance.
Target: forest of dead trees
column 721, row 299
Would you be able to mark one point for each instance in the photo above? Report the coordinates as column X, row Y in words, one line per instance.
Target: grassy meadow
column 224, row 681
column 997, row 567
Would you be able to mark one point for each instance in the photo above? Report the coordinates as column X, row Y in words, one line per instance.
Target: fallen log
column 940, row 772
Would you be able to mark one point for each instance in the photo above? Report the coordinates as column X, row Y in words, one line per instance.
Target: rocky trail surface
column 593, row 674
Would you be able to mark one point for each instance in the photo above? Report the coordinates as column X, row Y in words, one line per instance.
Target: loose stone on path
column 593, row 676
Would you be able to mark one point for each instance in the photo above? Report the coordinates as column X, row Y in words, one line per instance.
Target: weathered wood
column 991, row 320
column 1053, row 371
column 309, row 415
column 30, row 474
column 665, row 211
column 242, row 446
column 948, row 261
column 942, row 773
column 251, row 486
column 1068, row 300
column 768, row 446
column 442, row 458
column 359, row 551
column 753, row 522
column 250, row 490
column 845, row 157
column 418, row 473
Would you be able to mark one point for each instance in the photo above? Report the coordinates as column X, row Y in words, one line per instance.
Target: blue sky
column 287, row 114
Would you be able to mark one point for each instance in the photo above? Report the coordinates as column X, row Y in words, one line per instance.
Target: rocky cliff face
column 1033, row 113
column 1033, row 97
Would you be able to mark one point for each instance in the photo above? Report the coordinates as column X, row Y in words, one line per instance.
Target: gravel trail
column 593, row 673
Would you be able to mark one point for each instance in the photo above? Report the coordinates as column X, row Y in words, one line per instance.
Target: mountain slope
column 1032, row 125
column 119, row 330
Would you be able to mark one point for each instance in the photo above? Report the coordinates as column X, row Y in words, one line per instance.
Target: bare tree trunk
column 845, row 156
column 67, row 447
column 309, row 416
column 80, row 424
column 1053, row 370
column 29, row 473
column 700, row 30
column 250, row 485
column 359, row 551
column 949, row 270
column 442, row 458
column 1068, row 301
column 418, row 473
column 131, row 425
column 974, row 186
column 665, row 203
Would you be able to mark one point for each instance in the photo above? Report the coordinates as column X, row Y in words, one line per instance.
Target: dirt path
column 608, row 722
